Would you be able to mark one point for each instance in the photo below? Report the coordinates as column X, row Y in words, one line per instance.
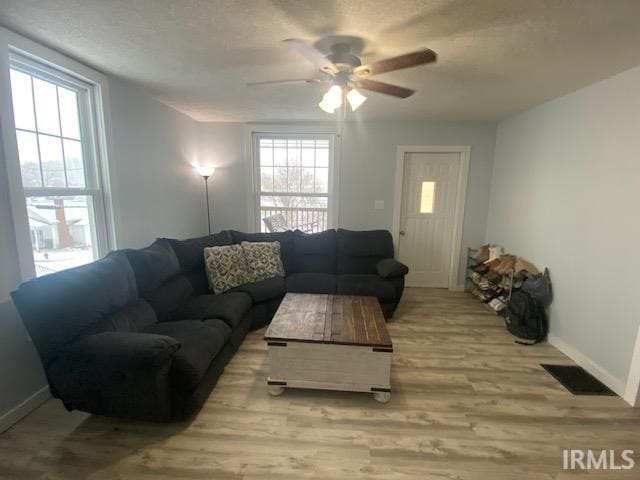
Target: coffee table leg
column 382, row 397
column 275, row 391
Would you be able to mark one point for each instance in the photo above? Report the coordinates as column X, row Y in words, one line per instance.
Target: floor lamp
column 205, row 171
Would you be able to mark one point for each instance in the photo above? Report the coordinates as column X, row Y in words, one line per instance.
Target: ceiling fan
column 345, row 72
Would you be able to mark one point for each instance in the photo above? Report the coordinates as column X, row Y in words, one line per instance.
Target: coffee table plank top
column 337, row 319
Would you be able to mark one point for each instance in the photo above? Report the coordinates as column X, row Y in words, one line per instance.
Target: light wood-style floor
column 467, row 404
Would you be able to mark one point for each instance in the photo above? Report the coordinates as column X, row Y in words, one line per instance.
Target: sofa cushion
column 311, row 283
column 153, row 265
column 230, row 307
column 366, row 285
column 63, row 307
column 263, row 290
column 190, row 252
column 131, row 318
column 360, row 251
column 314, row 252
column 169, row 296
column 199, row 344
column 263, row 260
column 226, row 267
column 285, row 239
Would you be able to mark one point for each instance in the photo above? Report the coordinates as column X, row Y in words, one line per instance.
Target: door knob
column 402, row 233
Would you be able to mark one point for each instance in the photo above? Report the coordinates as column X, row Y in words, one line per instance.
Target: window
column 294, row 175
column 427, row 197
column 58, row 163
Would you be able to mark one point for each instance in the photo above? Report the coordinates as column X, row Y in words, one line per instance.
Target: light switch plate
column 378, row 204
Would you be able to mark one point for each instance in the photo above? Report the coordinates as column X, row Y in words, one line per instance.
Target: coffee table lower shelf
column 351, row 368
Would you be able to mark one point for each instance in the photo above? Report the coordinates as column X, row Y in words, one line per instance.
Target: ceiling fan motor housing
column 342, row 57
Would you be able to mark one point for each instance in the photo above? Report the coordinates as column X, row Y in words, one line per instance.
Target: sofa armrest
column 391, row 268
column 123, row 374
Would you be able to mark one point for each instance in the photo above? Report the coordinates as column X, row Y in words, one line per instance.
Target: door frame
column 458, row 218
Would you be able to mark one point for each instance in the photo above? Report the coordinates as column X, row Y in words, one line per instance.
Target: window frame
column 32, row 58
column 294, row 133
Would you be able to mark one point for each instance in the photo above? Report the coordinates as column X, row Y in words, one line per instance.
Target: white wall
column 367, row 173
column 565, row 194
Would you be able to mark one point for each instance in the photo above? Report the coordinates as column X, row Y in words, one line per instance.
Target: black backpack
column 526, row 318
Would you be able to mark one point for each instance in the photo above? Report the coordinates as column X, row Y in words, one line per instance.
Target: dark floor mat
column 577, row 380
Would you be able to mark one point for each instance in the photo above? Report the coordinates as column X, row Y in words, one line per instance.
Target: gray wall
column 368, row 163
column 155, row 189
column 565, row 194
column 156, row 193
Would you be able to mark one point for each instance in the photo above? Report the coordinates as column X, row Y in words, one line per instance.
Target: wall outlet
column 378, row 204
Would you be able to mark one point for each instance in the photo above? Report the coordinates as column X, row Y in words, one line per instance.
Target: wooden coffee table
column 330, row 342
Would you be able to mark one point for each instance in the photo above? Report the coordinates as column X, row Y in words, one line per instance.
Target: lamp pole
column 206, row 189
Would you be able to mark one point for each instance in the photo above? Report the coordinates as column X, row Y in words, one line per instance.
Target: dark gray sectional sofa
column 138, row 334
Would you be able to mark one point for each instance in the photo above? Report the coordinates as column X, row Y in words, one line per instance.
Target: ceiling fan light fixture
column 323, row 105
column 355, row 99
column 333, row 98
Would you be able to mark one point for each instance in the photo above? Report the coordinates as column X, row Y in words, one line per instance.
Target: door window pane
column 46, row 107
column 29, row 159
column 61, row 231
column 427, row 197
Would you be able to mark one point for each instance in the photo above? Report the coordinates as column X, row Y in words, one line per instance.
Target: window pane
column 307, row 181
column 280, row 179
column 322, row 180
column 22, row 100
column 46, row 107
column 322, row 157
column 293, row 201
column 427, row 196
column 308, row 157
column 266, row 156
column 280, row 157
column 62, row 232
column 29, row 163
column 51, row 161
column 266, row 179
column 69, row 113
column 294, row 156
column 73, row 163
column 294, row 175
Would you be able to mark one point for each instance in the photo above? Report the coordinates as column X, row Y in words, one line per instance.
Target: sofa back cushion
column 285, row 239
column 153, row 265
column 190, row 252
column 314, row 252
column 62, row 307
column 360, row 251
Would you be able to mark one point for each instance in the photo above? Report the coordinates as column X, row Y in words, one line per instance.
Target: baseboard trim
column 458, row 288
column 615, row 384
column 24, row 408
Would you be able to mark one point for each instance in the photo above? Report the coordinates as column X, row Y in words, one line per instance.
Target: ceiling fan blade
column 312, row 54
column 397, row 63
column 284, row 82
column 385, row 88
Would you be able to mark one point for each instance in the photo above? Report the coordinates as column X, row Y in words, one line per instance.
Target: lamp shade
column 205, row 170
column 355, row 99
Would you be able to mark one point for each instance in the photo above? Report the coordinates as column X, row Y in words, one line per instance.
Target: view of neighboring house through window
column 57, row 155
column 293, row 182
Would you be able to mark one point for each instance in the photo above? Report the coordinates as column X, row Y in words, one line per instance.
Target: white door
column 427, row 216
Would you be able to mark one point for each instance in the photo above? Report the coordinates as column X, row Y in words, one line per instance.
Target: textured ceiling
column 496, row 57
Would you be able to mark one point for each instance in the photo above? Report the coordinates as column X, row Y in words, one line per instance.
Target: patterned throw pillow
column 226, row 267
column 263, row 260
